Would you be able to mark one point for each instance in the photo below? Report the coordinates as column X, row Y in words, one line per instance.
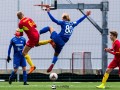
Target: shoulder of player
column 22, row 19
column 28, row 18
column 116, row 42
column 23, row 38
column 70, row 23
column 13, row 39
column 65, row 22
column 25, row 19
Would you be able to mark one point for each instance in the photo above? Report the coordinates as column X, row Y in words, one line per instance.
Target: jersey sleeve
column 10, row 46
column 117, row 47
column 21, row 28
column 111, row 49
column 53, row 19
column 79, row 20
column 20, row 25
column 114, row 53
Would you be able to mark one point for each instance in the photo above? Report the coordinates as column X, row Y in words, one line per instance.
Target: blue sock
column 24, row 76
column 55, row 58
column 12, row 75
column 44, row 30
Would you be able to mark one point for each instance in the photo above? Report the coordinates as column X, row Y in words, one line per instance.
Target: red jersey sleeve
column 20, row 25
column 111, row 49
column 115, row 48
column 112, row 52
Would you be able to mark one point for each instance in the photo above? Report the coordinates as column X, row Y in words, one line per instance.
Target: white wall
column 85, row 36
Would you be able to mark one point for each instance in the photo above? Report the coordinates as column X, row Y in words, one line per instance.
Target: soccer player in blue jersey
column 62, row 38
column 18, row 44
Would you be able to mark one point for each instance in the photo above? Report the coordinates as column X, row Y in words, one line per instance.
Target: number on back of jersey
column 68, row 30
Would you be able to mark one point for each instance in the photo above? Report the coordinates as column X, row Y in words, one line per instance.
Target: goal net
column 81, row 63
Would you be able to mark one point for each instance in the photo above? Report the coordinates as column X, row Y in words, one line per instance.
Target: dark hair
column 114, row 33
column 66, row 18
column 20, row 15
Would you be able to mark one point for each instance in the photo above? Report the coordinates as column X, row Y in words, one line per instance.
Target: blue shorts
column 58, row 41
column 19, row 61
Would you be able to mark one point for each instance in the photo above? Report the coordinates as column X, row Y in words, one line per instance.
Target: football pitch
column 59, row 86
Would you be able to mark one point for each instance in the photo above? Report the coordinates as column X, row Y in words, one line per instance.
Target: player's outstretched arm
column 81, row 19
column 52, row 18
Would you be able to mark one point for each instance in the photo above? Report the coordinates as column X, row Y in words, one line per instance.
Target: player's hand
column 107, row 49
column 88, row 13
column 8, row 59
column 47, row 9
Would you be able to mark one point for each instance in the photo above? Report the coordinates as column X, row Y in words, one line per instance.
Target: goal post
column 81, row 63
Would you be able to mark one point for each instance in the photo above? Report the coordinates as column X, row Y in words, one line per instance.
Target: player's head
column 113, row 35
column 20, row 15
column 17, row 33
column 65, row 17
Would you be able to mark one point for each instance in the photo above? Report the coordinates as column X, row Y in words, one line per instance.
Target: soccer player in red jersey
column 29, row 27
column 115, row 50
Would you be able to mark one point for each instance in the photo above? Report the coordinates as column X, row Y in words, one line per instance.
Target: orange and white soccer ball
column 53, row 76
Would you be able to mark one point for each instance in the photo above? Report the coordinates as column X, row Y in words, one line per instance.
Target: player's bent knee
column 51, row 29
column 24, row 54
column 109, row 70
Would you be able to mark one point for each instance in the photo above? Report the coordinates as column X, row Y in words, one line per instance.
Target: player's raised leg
column 28, row 58
column 59, row 45
column 46, row 29
column 43, row 42
column 58, row 49
column 55, row 58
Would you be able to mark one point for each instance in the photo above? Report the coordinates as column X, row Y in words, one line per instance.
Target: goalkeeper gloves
column 8, row 59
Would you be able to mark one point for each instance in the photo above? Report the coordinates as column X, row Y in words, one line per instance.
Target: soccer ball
column 53, row 87
column 53, row 76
